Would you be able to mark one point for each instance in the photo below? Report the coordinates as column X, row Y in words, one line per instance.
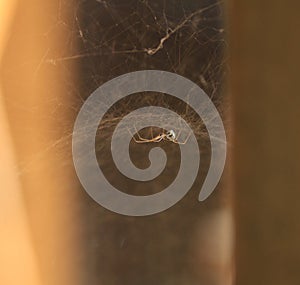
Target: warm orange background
column 18, row 264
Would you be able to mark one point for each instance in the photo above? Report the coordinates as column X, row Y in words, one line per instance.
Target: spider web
column 105, row 39
column 102, row 40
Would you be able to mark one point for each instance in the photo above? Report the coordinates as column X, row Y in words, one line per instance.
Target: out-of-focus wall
column 265, row 61
column 36, row 241
column 18, row 262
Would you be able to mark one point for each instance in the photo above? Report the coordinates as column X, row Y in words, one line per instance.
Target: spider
column 168, row 136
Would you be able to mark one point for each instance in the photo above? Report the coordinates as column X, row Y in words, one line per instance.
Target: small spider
column 168, row 136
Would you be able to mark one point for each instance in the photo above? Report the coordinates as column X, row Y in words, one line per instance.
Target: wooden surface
column 265, row 62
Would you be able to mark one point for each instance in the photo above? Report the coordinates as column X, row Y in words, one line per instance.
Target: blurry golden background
column 51, row 233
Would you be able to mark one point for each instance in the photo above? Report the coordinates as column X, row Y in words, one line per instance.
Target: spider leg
column 137, row 141
column 133, row 136
column 186, row 139
column 141, row 138
column 156, row 139
column 159, row 138
column 178, row 134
